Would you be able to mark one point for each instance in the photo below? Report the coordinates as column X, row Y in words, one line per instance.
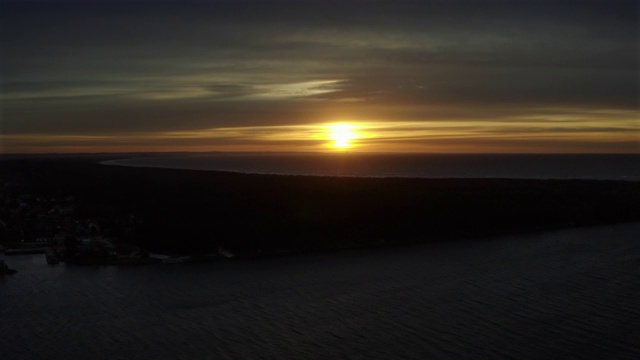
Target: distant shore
column 197, row 212
column 434, row 166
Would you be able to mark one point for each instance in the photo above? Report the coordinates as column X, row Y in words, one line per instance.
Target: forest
column 191, row 212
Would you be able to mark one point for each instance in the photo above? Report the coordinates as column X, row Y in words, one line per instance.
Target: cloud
column 122, row 68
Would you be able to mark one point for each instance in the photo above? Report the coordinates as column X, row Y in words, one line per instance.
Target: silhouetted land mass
column 187, row 211
column 5, row 270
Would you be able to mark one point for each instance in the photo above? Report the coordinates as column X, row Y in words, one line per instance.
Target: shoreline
column 158, row 259
column 198, row 212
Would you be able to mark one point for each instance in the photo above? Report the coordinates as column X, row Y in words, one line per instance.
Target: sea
column 570, row 294
column 516, row 166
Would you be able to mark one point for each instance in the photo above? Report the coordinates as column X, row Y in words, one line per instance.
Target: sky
column 400, row 76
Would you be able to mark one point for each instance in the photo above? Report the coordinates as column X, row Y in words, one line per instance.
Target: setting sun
column 342, row 135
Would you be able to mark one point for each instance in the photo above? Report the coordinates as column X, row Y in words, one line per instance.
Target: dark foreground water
column 560, row 295
column 512, row 166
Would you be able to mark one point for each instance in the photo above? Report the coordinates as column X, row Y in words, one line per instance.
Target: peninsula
column 200, row 212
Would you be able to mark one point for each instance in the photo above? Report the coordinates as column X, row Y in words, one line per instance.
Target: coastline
column 201, row 212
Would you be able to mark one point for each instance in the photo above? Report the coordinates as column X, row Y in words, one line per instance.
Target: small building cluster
column 33, row 223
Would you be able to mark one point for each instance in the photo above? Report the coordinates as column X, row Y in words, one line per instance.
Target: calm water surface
column 521, row 166
column 560, row 295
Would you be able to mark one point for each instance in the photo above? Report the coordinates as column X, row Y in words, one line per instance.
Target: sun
column 342, row 134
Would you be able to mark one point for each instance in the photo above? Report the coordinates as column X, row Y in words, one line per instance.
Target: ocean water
column 569, row 294
column 521, row 166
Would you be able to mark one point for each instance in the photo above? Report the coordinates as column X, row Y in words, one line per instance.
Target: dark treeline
column 185, row 211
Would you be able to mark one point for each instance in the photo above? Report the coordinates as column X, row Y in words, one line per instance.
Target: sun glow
column 342, row 135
